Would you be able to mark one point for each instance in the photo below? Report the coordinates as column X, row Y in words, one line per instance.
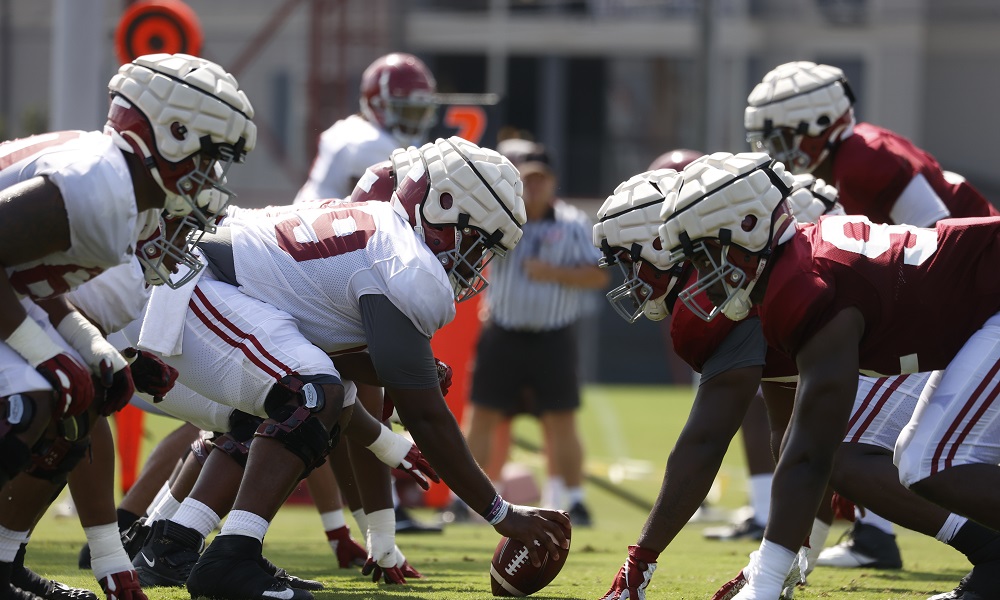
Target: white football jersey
column 346, row 150
column 114, row 298
column 93, row 177
column 317, row 262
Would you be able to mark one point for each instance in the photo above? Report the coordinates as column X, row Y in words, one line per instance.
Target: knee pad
column 200, row 449
column 291, row 408
column 17, row 411
column 57, row 459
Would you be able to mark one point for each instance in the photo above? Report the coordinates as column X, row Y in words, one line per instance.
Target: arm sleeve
column 402, row 356
column 743, row 347
column 919, row 204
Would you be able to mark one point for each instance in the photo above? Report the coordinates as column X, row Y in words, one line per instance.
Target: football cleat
column 134, row 538
column 579, row 515
column 748, row 529
column 405, row 523
column 230, row 569
column 286, row 577
column 28, row 581
column 982, row 582
column 169, row 554
column 864, row 546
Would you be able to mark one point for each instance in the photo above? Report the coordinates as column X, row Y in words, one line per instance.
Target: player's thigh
column 235, row 348
column 957, row 421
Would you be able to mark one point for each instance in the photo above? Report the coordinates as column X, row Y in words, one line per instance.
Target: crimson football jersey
column 872, row 168
column 695, row 341
column 923, row 292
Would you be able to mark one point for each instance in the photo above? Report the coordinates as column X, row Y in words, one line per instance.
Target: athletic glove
column 444, row 376
column 634, row 576
column 152, row 376
column 400, row 453
column 118, row 388
column 844, row 508
column 70, row 380
column 348, row 552
column 123, row 585
column 106, row 362
column 408, row 571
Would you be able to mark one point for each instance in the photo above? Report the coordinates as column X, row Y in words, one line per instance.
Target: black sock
column 125, row 519
column 976, row 542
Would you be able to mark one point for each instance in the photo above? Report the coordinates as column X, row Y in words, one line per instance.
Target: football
column 511, row 571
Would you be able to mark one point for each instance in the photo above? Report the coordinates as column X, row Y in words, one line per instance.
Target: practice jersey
column 922, row 292
column 346, row 150
column 872, row 168
column 317, row 262
column 694, row 340
column 94, row 180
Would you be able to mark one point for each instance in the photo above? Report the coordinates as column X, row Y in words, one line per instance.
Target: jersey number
column 857, row 234
column 337, row 231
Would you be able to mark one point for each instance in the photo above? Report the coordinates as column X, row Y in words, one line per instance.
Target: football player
column 827, row 300
column 324, row 278
column 74, row 204
column 802, row 114
column 730, row 357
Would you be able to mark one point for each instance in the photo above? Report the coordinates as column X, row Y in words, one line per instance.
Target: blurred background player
column 397, row 111
column 802, row 114
column 526, row 357
column 756, row 430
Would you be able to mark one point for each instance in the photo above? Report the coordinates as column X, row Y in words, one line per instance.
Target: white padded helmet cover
column 798, row 92
column 482, row 183
column 195, row 92
column 725, row 191
column 811, row 198
column 631, row 215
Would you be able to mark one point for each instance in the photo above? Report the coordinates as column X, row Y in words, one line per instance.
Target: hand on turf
column 417, row 467
column 634, row 576
column 843, row 508
column 123, row 585
column 444, row 376
column 537, row 528
column 152, row 376
column 405, row 567
column 382, row 560
column 348, row 552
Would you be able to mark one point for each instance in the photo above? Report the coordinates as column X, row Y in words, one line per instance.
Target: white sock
column 241, row 522
column 362, row 520
column 107, row 555
column 760, row 496
column 774, row 562
column 574, row 495
column 10, row 543
column 333, row 519
column 817, row 540
column 874, row 520
column 164, row 509
column 197, row 516
column 555, row 493
column 951, row 526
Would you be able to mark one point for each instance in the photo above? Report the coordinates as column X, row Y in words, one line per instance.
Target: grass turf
column 628, row 431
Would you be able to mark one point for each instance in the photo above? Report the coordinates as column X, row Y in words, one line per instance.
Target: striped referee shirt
column 563, row 238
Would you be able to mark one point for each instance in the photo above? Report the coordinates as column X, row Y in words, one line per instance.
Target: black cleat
column 864, row 546
column 982, row 583
column 405, row 523
column 579, row 516
column 749, row 530
column 169, row 554
column 134, row 538
column 230, row 569
column 293, row 581
column 28, row 581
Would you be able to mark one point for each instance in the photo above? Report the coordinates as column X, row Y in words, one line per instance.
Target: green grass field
column 456, row 563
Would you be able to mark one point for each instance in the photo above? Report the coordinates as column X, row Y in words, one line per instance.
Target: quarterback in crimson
column 840, row 297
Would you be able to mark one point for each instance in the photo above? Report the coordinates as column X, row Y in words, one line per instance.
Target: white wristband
column 30, row 341
column 88, row 340
column 390, row 448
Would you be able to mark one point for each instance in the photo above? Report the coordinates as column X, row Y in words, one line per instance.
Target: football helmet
column 675, row 159
column 726, row 218
column 798, row 113
column 627, row 232
column 463, row 201
column 397, row 92
column 183, row 115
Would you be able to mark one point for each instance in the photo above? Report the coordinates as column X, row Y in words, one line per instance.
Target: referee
column 526, row 359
